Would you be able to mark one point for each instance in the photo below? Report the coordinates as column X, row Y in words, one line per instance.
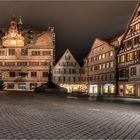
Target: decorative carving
column 13, row 37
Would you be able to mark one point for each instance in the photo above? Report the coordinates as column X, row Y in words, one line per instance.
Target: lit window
column 111, row 64
column 122, row 58
column 111, row 53
column 137, row 27
column 104, row 66
column 103, row 55
column 106, row 89
column 21, row 85
column 112, row 89
column 129, row 56
column 107, row 65
column 93, row 89
column 129, row 89
column 13, row 42
column 100, row 57
column 100, row 66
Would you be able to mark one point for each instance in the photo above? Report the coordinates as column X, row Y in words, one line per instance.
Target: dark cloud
column 76, row 23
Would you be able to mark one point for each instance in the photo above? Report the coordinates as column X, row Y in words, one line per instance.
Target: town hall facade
column 25, row 56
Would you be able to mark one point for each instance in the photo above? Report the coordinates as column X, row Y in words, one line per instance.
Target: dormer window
column 137, row 27
column 67, row 57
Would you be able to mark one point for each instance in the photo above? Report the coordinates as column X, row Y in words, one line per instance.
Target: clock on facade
column 13, row 34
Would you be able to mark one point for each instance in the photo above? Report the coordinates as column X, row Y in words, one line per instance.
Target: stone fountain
column 50, row 87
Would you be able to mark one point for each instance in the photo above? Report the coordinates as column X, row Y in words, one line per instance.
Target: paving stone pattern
column 49, row 117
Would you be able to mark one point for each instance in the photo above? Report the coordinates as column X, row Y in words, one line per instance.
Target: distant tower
column 20, row 24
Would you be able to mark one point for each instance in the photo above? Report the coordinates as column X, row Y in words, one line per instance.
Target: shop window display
column 129, row 89
column 109, row 88
column 93, row 89
column 112, row 89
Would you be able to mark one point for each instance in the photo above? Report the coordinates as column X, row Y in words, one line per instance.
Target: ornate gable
column 68, row 57
column 13, row 37
column 96, row 47
column 133, row 27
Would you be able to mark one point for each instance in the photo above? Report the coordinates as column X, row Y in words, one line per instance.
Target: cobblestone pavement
column 50, row 117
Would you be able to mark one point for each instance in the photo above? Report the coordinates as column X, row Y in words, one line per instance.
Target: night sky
column 76, row 23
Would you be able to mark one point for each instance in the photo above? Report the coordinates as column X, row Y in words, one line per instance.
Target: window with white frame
column 111, row 53
column 107, row 65
column 103, row 56
column 104, row 66
column 111, row 64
